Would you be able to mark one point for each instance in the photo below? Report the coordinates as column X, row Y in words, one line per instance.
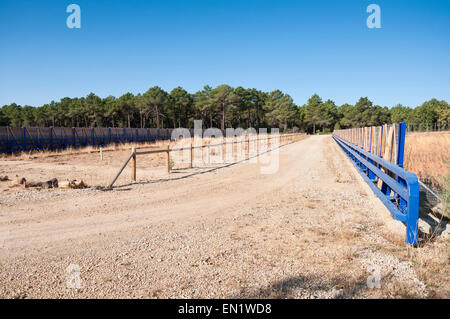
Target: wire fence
column 427, row 127
column 19, row 139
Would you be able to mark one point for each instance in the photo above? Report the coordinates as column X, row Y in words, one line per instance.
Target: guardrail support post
column 401, row 144
column 412, row 223
column 400, row 158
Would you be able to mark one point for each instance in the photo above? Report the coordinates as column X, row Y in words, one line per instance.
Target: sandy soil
column 313, row 230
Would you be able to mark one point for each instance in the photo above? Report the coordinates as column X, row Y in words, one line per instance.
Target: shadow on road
column 309, row 287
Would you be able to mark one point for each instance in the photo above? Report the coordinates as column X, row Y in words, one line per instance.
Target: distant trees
column 225, row 99
column 156, row 102
column 399, row 113
column 12, row 114
column 180, row 108
column 223, row 106
column 280, row 110
column 320, row 114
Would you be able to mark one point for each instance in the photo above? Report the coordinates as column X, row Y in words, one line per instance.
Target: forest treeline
column 222, row 107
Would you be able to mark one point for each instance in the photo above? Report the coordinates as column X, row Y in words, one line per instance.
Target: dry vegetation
column 40, row 154
column 428, row 156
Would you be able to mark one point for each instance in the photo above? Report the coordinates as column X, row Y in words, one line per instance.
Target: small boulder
column 53, row 183
column 73, row 184
column 19, row 180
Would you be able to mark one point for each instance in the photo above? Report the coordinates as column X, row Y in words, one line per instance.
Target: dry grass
column 431, row 263
column 428, row 156
column 38, row 154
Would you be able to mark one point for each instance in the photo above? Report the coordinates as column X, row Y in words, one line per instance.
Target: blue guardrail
column 400, row 189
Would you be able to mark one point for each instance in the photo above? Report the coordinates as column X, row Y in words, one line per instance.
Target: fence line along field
column 79, row 164
column 96, row 166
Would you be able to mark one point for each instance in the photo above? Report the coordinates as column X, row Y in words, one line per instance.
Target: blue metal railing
column 23, row 141
column 52, row 143
column 404, row 204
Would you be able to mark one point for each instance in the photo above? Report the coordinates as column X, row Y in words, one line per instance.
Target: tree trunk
column 210, row 119
column 157, row 117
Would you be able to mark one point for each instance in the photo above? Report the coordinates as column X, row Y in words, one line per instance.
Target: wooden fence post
column 51, row 138
column 233, row 145
column 248, row 146
column 168, row 158
column 192, row 155
column 257, row 144
column 224, row 147
column 133, row 164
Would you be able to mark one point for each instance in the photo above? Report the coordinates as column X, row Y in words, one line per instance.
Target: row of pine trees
column 222, row 107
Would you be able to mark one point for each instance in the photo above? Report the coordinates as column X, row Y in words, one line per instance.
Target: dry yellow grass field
column 427, row 155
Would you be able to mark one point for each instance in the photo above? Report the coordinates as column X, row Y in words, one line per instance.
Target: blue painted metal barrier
column 16, row 139
column 403, row 204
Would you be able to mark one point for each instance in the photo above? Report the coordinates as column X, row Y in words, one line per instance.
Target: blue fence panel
column 404, row 204
column 17, row 139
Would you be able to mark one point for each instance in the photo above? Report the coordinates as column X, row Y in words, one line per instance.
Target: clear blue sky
column 300, row 47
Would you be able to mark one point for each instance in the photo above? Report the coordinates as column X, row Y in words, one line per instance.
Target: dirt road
column 313, row 230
